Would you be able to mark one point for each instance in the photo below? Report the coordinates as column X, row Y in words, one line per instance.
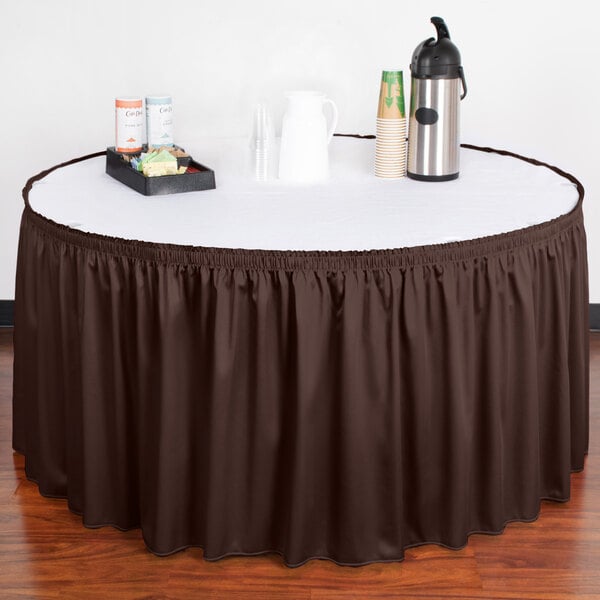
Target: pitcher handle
column 334, row 118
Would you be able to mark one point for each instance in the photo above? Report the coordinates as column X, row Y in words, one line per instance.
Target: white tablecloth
column 353, row 211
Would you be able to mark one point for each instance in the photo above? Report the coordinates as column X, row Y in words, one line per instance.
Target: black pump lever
column 441, row 28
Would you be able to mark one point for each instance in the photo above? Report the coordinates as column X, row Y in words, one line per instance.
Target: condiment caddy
column 196, row 177
column 160, row 167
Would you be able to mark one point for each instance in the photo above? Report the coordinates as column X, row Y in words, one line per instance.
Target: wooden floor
column 45, row 552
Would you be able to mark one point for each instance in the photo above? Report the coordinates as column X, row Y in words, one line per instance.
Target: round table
column 336, row 371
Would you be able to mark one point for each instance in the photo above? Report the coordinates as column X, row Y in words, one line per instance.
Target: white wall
column 531, row 66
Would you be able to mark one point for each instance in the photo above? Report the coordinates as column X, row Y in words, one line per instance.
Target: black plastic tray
column 120, row 169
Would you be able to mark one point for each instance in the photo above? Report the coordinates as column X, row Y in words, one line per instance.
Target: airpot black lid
column 436, row 59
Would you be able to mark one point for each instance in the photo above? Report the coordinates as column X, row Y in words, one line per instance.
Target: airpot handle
column 463, row 81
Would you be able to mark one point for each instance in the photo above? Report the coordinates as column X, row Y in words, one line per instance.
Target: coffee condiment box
column 202, row 178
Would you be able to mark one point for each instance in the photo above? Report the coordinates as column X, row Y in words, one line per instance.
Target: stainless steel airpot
column 436, row 80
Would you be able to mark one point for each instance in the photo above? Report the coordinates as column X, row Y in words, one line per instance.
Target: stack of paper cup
column 390, row 145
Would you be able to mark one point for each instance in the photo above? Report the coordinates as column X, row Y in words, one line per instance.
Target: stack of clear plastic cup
column 262, row 142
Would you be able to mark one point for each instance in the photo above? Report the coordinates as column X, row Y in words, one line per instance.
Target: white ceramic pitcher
column 304, row 156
